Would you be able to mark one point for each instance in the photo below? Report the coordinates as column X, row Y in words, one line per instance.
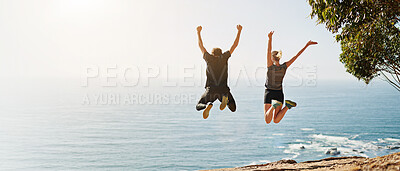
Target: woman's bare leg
column 279, row 114
column 268, row 113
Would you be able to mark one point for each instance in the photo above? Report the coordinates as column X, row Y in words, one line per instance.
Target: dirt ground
column 388, row 162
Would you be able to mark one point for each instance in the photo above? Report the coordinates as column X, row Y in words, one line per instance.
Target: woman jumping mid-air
column 273, row 96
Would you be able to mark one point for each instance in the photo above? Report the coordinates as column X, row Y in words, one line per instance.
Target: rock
column 393, row 147
column 332, row 151
column 302, row 147
column 286, row 162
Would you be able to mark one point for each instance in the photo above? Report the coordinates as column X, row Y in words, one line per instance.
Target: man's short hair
column 216, row 52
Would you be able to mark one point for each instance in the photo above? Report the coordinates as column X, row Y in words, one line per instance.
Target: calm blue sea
column 54, row 129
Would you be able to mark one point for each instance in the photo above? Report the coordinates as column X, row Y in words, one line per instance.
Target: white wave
column 287, row 151
column 355, row 136
column 259, row 162
column 346, row 145
column 307, row 129
column 381, row 140
column 295, row 155
column 392, row 139
column 343, row 141
column 329, row 139
column 321, row 143
column 280, row 147
column 294, row 149
column 303, row 146
column 279, row 134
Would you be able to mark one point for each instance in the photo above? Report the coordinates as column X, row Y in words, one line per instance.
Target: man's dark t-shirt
column 217, row 70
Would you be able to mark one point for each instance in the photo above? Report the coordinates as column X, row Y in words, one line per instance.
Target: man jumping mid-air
column 217, row 77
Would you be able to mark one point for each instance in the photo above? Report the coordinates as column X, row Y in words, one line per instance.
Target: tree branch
column 397, row 87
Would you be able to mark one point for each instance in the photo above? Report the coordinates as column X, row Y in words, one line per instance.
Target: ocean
column 159, row 129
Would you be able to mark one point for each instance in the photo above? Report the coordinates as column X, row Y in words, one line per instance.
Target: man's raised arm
column 236, row 43
column 203, row 50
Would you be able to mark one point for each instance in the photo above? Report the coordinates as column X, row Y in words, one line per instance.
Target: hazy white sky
column 60, row 38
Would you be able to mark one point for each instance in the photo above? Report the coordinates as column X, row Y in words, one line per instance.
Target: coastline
column 387, row 162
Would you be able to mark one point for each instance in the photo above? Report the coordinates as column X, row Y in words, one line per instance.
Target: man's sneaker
column 224, row 102
column 206, row 111
column 290, row 104
column 276, row 103
column 200, row 106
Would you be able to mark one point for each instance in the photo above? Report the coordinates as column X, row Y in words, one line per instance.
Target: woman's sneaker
column 206, row 111
column 276, row 103
column 290, row 104
column 224, row 102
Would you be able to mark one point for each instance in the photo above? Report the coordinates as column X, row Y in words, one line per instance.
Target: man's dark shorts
column 210, row 95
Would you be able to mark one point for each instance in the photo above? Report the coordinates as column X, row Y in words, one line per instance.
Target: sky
column 61, row 39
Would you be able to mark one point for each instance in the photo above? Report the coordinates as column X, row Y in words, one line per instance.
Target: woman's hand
column 311, row 43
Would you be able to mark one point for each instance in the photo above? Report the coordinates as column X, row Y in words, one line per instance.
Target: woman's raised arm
column 269, row 49
column 288, row 63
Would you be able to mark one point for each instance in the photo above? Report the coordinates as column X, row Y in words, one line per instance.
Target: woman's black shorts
column 273, row 95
